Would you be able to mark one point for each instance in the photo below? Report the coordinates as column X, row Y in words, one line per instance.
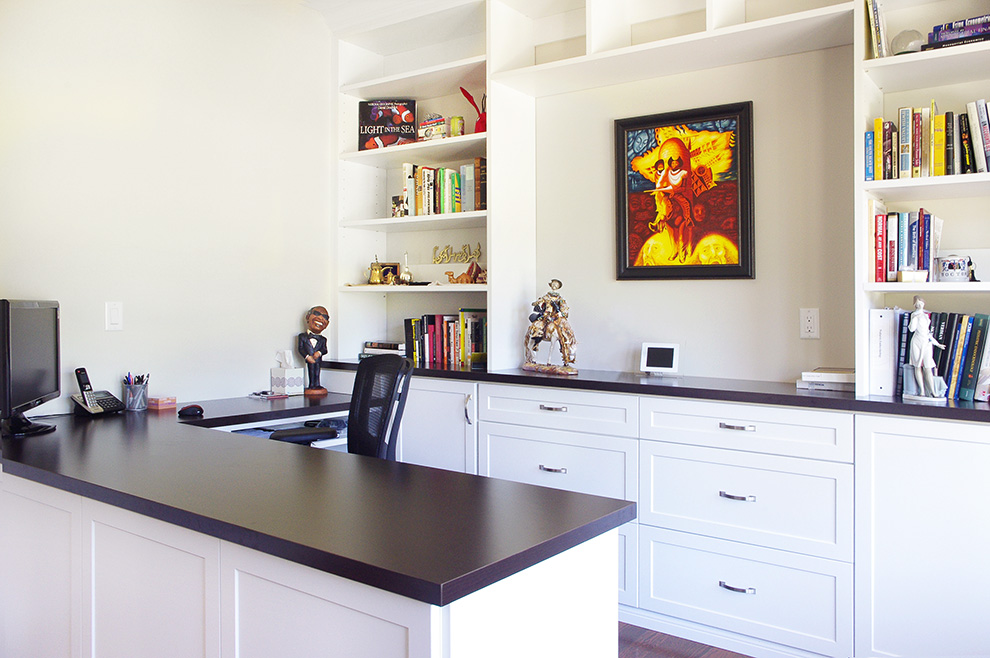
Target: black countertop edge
column 222, row 413
column 713, row 389
column 439, row 594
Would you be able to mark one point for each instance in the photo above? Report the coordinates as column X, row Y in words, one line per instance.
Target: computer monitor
column 29, row 363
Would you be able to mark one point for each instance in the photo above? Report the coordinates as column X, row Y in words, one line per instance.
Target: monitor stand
column 19, row 426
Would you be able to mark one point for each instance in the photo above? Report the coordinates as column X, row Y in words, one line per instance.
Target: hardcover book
column 384, row 123
column 905, row 128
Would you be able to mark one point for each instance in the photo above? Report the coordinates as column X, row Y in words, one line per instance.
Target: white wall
column 172, row 155
column 743, row 329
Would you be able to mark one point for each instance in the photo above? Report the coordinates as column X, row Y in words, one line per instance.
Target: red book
column 916, row 144
column 880, row 247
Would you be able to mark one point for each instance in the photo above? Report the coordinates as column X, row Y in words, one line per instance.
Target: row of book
column 959, row 364
column 957, row 33
column 905, row 244
column 438, row 190
column 448, row 341
column 923, row 142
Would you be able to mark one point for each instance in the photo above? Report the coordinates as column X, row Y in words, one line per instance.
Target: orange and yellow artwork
column 682, row 196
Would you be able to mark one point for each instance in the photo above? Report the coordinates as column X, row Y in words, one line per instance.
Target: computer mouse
column 191, row 410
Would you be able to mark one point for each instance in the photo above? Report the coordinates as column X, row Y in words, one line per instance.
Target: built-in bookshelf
column 952, row 77
column 425, row 54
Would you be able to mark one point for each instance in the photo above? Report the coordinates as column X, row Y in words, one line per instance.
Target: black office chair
column 377, row 402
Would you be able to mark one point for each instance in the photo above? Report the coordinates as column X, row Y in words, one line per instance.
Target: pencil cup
column 135, row 397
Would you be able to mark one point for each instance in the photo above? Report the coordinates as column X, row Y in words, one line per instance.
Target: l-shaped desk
column 140, row 535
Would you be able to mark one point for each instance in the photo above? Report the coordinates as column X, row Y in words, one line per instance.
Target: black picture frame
column 655, row 195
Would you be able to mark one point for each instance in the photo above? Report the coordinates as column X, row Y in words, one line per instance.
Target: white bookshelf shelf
column 805, row 31
column 926, row 287
column 932, row 68
column 429, row 153
column 429, row 82
column 446, row 221
column 383, row 289
column 932, row 187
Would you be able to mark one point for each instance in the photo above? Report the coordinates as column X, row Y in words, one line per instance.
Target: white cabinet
column 746, row 526
column 41, row 590
column 922, row 537
column 951, row 77
column 573, row 440
column 439, row 425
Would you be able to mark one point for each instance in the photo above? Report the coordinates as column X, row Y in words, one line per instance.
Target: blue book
column 903, row 240
column 912, row 253
column 869, row 155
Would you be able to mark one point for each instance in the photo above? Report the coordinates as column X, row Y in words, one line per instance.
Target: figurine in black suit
column 312, row 346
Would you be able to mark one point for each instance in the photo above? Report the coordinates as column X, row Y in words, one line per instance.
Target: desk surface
column 425, row 533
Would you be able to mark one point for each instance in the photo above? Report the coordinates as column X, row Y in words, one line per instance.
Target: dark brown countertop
column 424, row 533
column 711, row 388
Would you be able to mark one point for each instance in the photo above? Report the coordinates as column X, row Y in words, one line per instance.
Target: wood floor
column 635, row 642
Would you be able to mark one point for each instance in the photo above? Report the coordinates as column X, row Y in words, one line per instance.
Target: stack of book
column 448, row 341
column 828, row 379
column 905, row 244
column 438, row 190
column 924, row 142
column 957, row 33
column 372, row 347
column 959, row 364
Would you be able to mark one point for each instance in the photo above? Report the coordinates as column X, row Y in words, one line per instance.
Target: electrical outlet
column 809, row 323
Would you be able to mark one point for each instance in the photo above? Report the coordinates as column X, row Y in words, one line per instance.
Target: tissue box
column 288, row 381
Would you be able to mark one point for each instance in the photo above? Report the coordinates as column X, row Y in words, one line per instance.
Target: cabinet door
column 922, row 538
column 150, row 587
column 40, row 589
column 438, row 425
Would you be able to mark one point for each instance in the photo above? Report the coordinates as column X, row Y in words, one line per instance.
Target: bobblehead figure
column 312, row 346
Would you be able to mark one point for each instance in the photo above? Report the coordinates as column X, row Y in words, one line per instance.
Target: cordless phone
column 94, row 402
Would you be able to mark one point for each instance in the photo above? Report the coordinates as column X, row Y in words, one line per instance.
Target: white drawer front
column 790, row 599
column 755, row 428
column 537, row 406
column 585, row 463
column 780, row 502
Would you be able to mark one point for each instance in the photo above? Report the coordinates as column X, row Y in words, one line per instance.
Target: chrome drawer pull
column 740, row 590
column 545, row 407
column 750, row 499
column 737, row 428
column 467, row 405
column 547, row 469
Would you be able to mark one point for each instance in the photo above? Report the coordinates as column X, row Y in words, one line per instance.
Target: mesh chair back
column 377, row 402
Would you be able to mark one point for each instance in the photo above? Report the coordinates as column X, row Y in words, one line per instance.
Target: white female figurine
column 921, row 358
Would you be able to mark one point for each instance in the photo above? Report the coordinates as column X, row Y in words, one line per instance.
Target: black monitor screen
column 29, row 338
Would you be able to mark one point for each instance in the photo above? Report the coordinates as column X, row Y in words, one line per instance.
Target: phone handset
column 94, row 402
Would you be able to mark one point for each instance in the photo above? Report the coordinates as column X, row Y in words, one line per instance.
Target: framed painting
column 684, row 194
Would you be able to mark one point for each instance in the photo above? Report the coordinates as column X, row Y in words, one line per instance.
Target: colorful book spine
column 950, row 147
column 938, row 145
column 868, row 153
column 893, row 220
column 880, row 246
column 916, row 141
column 967, row 158
column 981, row 109
column 878, row 147
column 905, row 125
column 976, row 135
column 974, row 357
